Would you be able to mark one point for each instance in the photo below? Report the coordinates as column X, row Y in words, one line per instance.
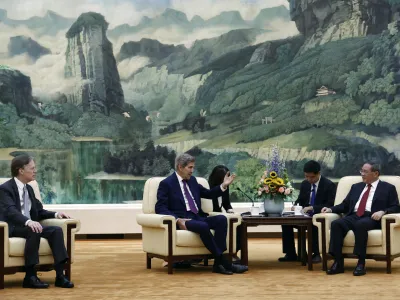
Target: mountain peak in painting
column 233, row 18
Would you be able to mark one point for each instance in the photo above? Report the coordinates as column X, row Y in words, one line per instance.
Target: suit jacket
column 10, row 206
column 226, row 202
column 385, row 199
column 170, row 200
column 325, row 196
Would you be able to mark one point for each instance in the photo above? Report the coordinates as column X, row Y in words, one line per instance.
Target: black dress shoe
column 33, row 282
column 239, row 268
column 288, row 258
column 359, row 270
column 336, row 268
column 221, row 270
column 63, row 282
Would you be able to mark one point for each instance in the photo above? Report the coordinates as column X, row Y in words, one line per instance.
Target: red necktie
column 363, row 202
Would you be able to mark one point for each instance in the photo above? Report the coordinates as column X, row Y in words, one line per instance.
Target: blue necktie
column 312, row 202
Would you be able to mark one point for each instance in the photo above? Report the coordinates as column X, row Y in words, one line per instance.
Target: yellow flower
column 272, row 186
column 279, row 181
column 273, row 174
column 267, row 181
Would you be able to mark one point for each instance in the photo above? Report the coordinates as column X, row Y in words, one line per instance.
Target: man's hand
column 182, row 223
column 326, row 210
column 228, row 179
column 292, row 208
column 377, row 215
column 35, row 226
column 307, row 209
column 61, row 215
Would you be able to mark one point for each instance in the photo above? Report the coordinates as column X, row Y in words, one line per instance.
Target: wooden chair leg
column 170, row 265
column 148, row 261
column 206, row 262
column 388, row 266
column 1, row 281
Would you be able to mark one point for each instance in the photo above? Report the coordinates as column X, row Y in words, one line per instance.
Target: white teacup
column 255, row 211
column 297, row 210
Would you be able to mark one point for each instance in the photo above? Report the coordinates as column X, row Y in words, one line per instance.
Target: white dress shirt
column 20, row 187
column 370, row 196
column 180, row 179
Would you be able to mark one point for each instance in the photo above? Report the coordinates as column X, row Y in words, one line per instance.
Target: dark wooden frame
column 302, row 222
column 171, row 258
column 48, row 267
column 378, row 257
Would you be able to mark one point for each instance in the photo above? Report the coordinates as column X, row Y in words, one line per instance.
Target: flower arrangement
column 274, row 183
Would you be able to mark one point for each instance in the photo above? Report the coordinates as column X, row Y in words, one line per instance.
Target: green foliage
column 154, row 161
column 337, row 113
column 381, row 113
column 86, row 20
column 66, row 113
column 248, row 172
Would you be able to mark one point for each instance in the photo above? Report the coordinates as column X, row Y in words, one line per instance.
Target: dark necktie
column 312, row 202
column 189, row 198
column 363, row 202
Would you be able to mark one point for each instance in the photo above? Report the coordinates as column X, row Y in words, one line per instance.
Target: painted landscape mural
column 105, row 94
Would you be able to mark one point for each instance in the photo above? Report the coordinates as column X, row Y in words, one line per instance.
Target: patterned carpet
column 115, row 269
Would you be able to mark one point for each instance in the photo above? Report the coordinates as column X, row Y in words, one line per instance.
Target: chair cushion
column 185, row 238
column 374, row 238
column 17, row 247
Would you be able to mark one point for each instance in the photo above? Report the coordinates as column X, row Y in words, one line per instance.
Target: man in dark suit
column 179, row 195
column 22, row 212
column 316, row 191
column 364, row 207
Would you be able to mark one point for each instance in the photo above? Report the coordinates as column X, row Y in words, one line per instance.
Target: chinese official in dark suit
column 20, row 209
column 364, row 207
column 316, row 191
column 179, row 195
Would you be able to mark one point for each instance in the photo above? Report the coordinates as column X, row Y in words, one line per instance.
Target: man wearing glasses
column 364, row 207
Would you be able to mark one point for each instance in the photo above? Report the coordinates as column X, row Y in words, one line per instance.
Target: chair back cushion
column 33, row 184
column 346, row 182
column 150, row 195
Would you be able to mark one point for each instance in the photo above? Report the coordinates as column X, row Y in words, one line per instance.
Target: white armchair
column 162, row 240
column 383, row 244
column 12, row 249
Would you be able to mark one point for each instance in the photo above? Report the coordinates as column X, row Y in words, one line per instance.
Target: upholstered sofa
column 12, row 249
column 383, row 244
column 162, row 240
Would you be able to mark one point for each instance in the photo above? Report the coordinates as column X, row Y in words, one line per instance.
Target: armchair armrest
column 154, row 220
column 4, row 239
column 63, row 223
column 391, row 233
column 328, row 218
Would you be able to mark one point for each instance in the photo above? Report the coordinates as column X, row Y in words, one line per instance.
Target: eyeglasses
column 363, row 172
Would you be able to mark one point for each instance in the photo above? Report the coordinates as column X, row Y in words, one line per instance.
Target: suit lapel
column 193, row 189
column 178, row 189
column 377, row 191
column 320, row 190
column 16, row 193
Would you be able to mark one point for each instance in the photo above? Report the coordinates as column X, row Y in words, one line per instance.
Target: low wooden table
column 303, row 222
